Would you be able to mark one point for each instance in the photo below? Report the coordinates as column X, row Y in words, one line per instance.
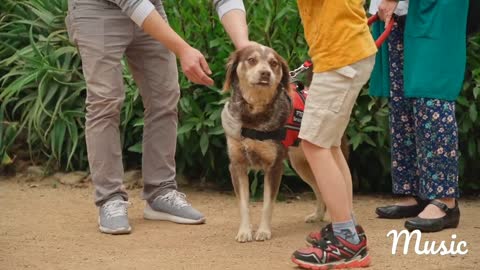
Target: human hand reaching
column 194, row 66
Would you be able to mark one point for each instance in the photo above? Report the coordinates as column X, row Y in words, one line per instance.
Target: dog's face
column 258, row 72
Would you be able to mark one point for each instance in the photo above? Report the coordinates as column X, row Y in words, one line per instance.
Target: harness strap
column 278, row 134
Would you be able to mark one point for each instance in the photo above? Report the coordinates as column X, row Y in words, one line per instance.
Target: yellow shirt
column 336, row 32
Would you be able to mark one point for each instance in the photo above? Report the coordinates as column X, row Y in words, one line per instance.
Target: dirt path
column 55, row 228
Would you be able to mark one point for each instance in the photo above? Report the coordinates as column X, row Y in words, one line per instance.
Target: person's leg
column 402, row 134
column 342, row 164
column 333, row 172
column 102, row 34
column 154, row 69
column 327, row 112
column 102, row 37
column 402, row 124
column 437, row 151
column 437, row 146
column 330, row 181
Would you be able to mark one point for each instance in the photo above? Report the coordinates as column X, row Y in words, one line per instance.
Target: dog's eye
column 252, row 61
column 273, row 64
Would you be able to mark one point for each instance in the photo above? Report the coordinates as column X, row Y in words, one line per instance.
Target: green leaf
column 6, row 160
column 462, row 101
column 369, row 140
column 473, row 112
column 187, row 127
column 136, row 148
column 204, row 143
column 373, row 129
column 367, row 118
column 476, row 92
column 57, row 137
column 356, row 141
column 215, row 42
column 287, row 169
column 139, row 122
column 216, row 131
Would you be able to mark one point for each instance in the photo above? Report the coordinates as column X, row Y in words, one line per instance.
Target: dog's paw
column 244, row 236
column 263, row 235
column 313, row 218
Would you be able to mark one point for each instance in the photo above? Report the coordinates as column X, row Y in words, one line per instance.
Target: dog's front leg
column 241, row 186
column 272, row 180
column 320, row 210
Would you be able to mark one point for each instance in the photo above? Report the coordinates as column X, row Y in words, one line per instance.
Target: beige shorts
column 330, row 101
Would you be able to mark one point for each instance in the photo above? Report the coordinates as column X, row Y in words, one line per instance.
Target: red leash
column 385, row 33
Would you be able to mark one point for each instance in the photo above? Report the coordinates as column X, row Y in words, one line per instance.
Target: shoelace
column 115, row 208
column 176, row 199
column 327, row 240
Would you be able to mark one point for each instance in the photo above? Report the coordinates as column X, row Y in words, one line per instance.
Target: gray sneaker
column 112, row 217
column 173, row 207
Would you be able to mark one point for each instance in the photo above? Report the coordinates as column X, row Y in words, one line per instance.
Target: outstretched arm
column 143, row 13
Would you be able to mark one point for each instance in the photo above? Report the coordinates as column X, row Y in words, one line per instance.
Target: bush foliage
column 42, row 93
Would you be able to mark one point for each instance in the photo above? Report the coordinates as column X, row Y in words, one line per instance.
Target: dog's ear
column 285, row 81
column 231, row 74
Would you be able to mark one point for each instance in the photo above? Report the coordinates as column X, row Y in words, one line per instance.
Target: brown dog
column 259, row 78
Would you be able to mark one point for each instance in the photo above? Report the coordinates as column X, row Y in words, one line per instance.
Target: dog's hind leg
column 272, row 180
column 241, row 186
column 301, row 166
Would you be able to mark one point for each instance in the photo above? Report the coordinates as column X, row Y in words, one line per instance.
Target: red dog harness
column 298, row 94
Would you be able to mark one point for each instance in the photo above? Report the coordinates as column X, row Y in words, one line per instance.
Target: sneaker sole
column 427, row 229
column 115, row 232
column 363, row 262
column 151, row 214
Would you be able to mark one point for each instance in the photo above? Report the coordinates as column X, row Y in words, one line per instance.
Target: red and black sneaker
column 314, row 237
column 333, row 252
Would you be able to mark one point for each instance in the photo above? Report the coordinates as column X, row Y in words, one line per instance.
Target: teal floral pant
column 424, row 136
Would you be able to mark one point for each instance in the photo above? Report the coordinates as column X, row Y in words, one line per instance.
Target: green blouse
column 434, row 52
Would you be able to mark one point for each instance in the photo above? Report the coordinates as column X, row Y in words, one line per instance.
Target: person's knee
column 104, row 108
column 166, row 104
column 309, row 147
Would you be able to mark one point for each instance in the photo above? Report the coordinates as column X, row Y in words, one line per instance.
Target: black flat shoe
column 399, row 211
column 450, row 220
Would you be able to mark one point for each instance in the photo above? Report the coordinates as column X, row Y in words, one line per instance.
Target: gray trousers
column 103, row 35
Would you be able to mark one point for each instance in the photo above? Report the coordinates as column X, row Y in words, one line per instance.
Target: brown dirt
column 43, row 227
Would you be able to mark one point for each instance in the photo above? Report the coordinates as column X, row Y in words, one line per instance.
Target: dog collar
column 277, row 135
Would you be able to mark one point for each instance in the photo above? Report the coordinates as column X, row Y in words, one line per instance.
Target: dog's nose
column 265, row 75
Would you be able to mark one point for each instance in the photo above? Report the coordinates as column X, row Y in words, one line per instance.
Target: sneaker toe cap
column 306, row 255
column 191, row 213
column 117, row 223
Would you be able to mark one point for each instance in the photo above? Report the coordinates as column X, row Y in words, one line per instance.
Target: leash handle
column 385, row 33
column 306, row 65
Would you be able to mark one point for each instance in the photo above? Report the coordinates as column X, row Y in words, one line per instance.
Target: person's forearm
column 232, row 15
column 156, row 26
column 235, row 25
